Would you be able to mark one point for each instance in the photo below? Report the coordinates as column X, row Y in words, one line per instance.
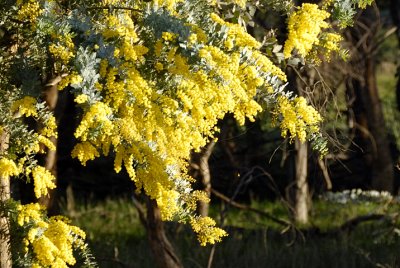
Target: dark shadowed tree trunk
column 395, row 12
column 368, row 112
column 5, row 253
column 162, row 249
column 382, row 165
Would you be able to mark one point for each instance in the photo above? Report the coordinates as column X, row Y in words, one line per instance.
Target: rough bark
column 301, row 206
column 5, row 253
column 200, row 164
column 162, row 249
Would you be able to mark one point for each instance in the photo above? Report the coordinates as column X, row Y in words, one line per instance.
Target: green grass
column 118, row 239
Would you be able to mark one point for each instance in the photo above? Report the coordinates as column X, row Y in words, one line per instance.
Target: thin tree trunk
column 50, row 95
column 199, row 162
column 301, row 206
column 162, row 249
column 5, row 253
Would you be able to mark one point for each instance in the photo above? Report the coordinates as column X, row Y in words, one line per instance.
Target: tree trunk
column 162, row 249
column 200, row 164
column 382, row 164
column 395, row 11
column 301, row 206
column 50, row 95
column 5, row 253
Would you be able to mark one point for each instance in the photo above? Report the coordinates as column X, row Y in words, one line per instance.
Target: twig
column 114, row 7
column 246, row 207
column 352, row 223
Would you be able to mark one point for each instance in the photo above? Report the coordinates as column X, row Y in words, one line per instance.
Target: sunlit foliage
column 152, row 79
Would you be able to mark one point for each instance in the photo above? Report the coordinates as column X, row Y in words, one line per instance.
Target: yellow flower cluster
column 53, row 241
column 84, row 151
column 206, row 231
column 42, row 181
column 29, row 11
column 304, row 26
column 241, row 3
column 167, row 36
column 97, row 117
column 46, row 142
column 50, row 127
column 62, row 49
column 25, row 106
column 120, row 26
column 331, row 43
column 82, row 98
column 168, row 4
column 296, row 117
column 8, row 168
column 168, row 204
column 236, row 34
column 61, row 52
column 29, row 212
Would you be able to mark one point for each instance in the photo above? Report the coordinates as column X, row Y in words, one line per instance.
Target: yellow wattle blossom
column 168, row 4
column 241, row 3
column 167, row 36
column 8, row 168
column 46, row 142
column 236, row 34
column 84, row 151
column 331, row 43
column 76, row 79
column 29, row 212
column 52, row 241
column 168, row 204
column 29, row 11
column 206, row 231
column 296, row 118
column 50, row 127
column 42, row 181
column 25, row 106
column 159, row 66
column 82, row 98
column 157, row 100
column 61, row 53
column 97, row 116
column 304, row 26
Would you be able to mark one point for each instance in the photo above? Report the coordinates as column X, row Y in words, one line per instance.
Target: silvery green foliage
column 319, row 144
column 160, row 21
column 344, row 10
column 86, row 62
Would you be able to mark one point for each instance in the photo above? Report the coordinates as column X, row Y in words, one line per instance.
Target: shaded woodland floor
column 117, row 238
